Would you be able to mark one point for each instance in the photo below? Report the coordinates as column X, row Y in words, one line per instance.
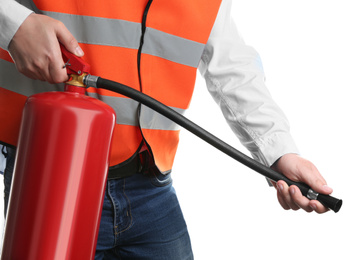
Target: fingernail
column 79, row 51
column 313, row 207
column 327, row 188
column 292, row 190
column 280, row 186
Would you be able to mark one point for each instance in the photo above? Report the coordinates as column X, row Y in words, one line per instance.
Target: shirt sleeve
column 235, row 79
column 12, row 15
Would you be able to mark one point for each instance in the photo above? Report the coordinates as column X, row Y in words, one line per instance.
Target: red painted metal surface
column 60, row 174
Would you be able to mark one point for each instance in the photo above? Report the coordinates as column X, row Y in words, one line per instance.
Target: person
column 156, row 47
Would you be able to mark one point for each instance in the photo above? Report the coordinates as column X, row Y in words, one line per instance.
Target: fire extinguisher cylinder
column 59, row 177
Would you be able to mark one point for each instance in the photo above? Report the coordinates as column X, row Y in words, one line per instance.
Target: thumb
column 321, row 187
column 68, row 40
column 299, row 169
column 311, row 176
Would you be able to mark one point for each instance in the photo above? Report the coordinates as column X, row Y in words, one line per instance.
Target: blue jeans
column 141, row 218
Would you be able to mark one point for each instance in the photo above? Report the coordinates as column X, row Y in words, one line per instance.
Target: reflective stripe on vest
column 110, row 35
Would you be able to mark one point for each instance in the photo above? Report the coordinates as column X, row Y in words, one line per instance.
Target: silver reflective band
column 90, row 81
column 150, row 119
column 125, row 108
column 125, row 34
column 312, row 195
column 12, row 80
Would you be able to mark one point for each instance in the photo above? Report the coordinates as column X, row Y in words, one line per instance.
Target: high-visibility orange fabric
column 128, row 10
column 170, row 82
column 115, row 63
column 164, row 155
column 122, row 147
column 163, row 86
column 196, row 16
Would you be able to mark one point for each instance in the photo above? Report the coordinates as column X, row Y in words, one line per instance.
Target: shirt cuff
column 12, row 15
column 279, row 144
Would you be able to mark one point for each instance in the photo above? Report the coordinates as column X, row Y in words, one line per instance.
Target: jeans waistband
column 140, row 162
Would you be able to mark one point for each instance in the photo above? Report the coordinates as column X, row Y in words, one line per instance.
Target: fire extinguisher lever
column 76, row 67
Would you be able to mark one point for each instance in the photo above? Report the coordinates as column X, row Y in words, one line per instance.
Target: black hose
column 328, row 201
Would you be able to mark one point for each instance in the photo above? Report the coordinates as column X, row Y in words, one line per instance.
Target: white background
column 310, row 52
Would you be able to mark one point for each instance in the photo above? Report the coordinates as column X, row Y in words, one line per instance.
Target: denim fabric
column 141, row 218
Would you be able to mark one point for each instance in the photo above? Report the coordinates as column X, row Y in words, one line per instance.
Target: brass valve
column 77, row 80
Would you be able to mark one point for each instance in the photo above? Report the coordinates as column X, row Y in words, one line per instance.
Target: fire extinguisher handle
column 74, row 64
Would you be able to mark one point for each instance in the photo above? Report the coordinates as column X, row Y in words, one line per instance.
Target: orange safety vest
column 109, row 32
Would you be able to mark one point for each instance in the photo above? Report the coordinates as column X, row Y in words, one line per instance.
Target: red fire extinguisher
column 60, row 174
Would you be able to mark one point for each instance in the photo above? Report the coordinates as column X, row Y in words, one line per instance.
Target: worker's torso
column 110, row 32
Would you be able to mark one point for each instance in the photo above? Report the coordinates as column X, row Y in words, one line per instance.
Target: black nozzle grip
column 330, row 202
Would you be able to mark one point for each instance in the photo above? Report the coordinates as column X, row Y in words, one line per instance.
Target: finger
column 68, row 40
column 299, row 199
column 56, row 68
column 280, row 198
column 311, row 176
column 282, row 201
column 285, row 195
column 324, row 189
column 318, row 184
column 318, row 207
column 57, row 73
column 305, row 203
column 50, row 67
